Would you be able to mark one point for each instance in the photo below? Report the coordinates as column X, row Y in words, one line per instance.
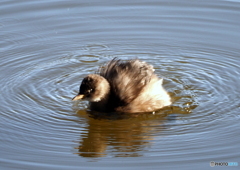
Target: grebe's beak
column 78, row 97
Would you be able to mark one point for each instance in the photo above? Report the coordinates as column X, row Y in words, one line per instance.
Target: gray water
column 47, row 47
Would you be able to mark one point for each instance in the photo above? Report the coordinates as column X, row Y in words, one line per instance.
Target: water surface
column 47, row 47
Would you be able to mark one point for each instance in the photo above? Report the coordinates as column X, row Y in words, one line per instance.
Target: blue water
column 48, row 47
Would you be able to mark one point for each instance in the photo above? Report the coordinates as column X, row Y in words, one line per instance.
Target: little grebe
column 124, row 86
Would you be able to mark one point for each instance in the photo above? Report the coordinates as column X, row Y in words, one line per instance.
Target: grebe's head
column 93, row 88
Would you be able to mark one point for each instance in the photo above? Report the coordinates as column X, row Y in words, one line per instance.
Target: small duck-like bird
column 124, row 86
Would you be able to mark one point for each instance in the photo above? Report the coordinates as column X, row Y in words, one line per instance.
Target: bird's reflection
column 125, row 135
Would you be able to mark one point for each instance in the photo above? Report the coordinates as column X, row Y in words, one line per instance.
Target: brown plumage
column 124, row 86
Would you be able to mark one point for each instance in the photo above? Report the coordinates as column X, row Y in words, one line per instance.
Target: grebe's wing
column 127, row 78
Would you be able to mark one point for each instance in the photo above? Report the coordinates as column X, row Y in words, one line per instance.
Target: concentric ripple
column 47, row 48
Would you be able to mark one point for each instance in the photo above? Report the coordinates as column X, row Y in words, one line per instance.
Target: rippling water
column 47, row 47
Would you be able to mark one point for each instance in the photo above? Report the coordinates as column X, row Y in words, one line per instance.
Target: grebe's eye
column 89, row 91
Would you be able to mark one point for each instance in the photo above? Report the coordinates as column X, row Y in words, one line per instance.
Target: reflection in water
column 125, row 134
